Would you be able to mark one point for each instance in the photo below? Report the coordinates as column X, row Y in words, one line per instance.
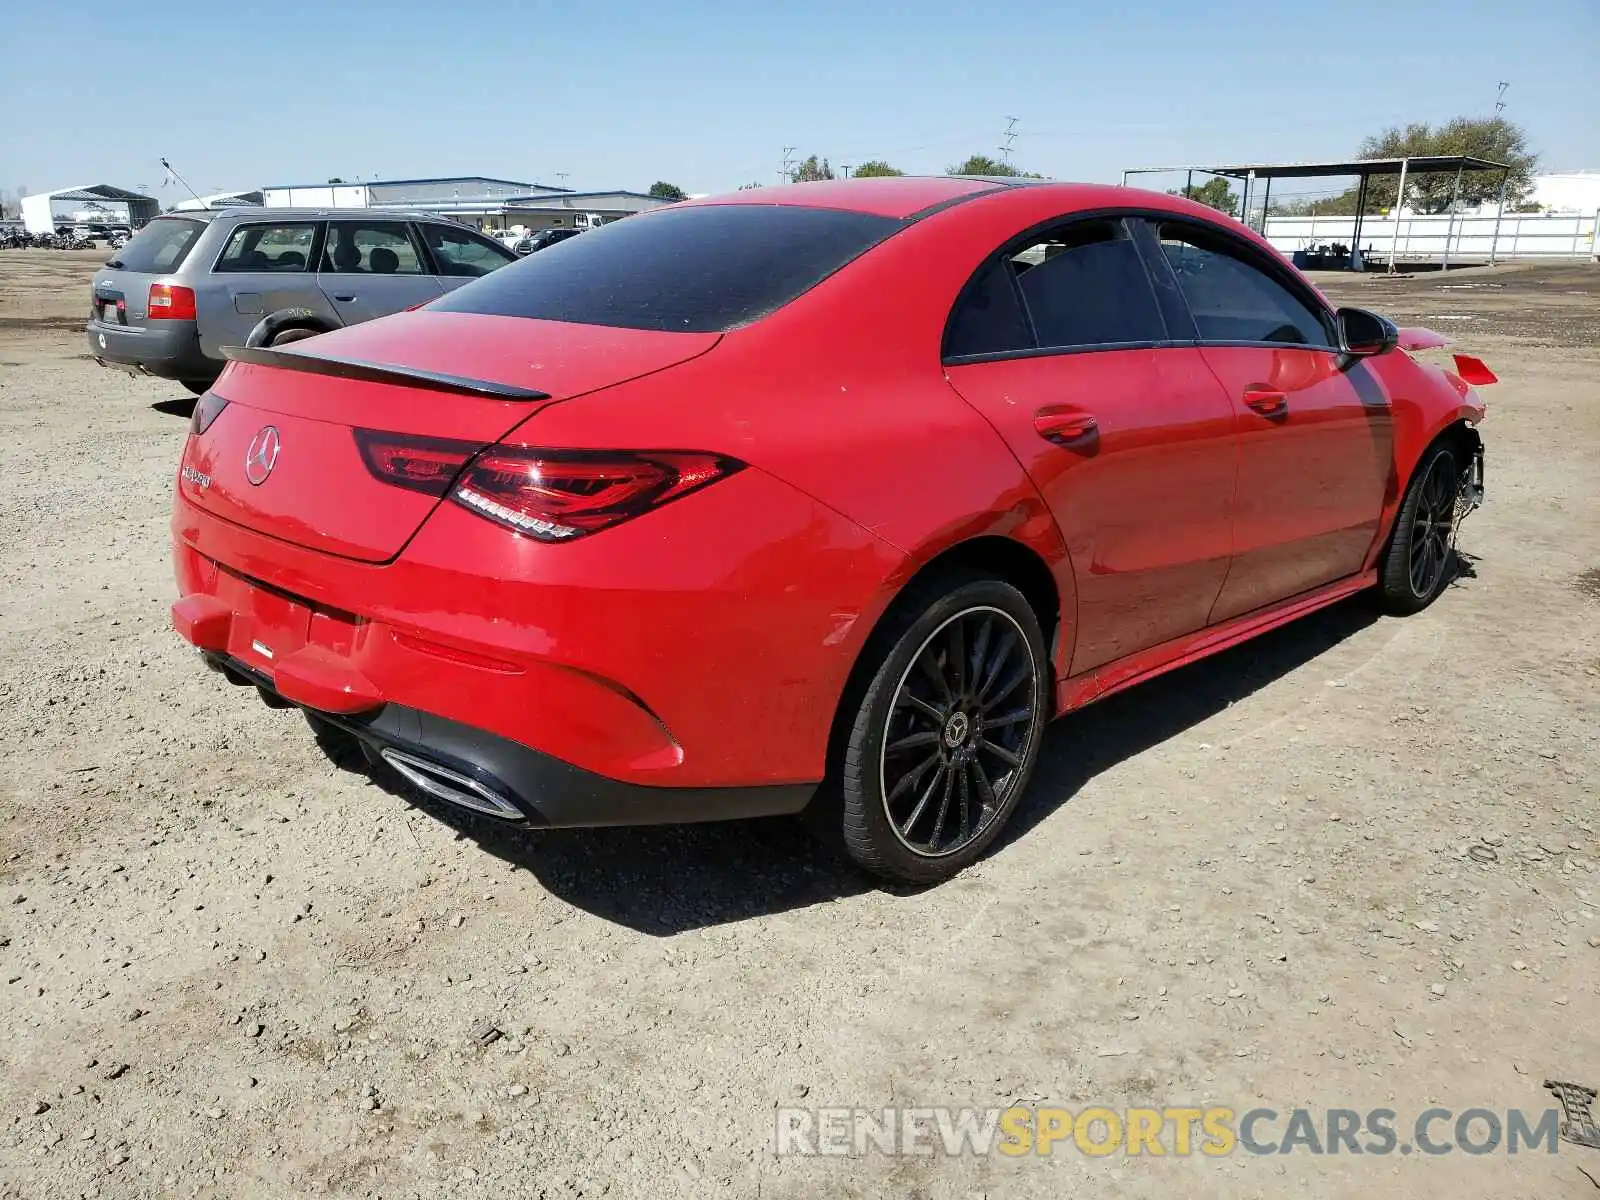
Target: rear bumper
column 657, row 655
column 168, row 349
column 482, row 771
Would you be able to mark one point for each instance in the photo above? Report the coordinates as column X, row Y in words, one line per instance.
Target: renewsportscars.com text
column 1213, row 1130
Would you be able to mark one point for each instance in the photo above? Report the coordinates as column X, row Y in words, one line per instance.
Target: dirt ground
column 1352, row 864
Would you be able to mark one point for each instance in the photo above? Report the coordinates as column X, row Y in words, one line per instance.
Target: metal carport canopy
column 1363, row 168
column 1354, row 166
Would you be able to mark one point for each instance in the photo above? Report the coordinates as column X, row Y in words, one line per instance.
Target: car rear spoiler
column 369, row 372
column 1472, row 370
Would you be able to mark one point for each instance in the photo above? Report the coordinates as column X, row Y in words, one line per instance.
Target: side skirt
column 1158, row 660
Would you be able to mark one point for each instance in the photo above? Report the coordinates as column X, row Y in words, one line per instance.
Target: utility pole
column 1500, row 97
column 1009, row 137
column 787, row 174
column 845, row 167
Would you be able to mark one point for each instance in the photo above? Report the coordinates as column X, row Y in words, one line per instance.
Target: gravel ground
column 1354, row 863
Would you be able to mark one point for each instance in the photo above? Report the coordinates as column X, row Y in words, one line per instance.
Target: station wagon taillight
column 551, row 495
column 171, row 302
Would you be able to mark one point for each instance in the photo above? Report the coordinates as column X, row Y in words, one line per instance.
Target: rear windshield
column 701, row 269
column 159, row 247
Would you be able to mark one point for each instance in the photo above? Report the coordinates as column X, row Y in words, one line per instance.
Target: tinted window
column 1232, row 299
column 1081, row 284
column 1085, row 285
column 701, row 269
column 988, row 318
column 458, row 252
column 160, row 246
column 370, row 248
column 285, row 247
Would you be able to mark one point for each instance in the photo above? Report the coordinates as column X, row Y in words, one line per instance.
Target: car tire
column 284, row 337
column 944, row 743
column 1419, row 561
column 198, row 386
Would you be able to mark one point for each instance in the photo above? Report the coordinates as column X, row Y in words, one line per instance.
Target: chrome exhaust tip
column 451, row 786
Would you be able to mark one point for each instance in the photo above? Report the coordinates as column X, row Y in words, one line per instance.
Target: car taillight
column 551, row 495
column 421, row 464
column 206, row 410
column 171, row 302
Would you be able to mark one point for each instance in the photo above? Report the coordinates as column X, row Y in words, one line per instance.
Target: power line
column 788, row 164
column 1010, row 136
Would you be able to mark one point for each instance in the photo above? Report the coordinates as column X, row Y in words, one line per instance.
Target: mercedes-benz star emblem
column 262, row 455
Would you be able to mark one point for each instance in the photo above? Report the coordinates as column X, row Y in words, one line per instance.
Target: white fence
column 1425, row 238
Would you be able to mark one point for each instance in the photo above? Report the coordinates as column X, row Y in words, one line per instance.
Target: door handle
column 1061, row 427
column 346, row 299
column 1269, row 402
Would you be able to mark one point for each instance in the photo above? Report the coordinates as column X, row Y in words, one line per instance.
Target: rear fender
column 271, row 325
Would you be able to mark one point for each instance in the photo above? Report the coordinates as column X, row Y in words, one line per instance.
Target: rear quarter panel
column 228, row 304
column 843, row 396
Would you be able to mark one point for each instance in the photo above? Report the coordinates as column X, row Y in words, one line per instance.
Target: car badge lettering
column 199, row 478
column 262, row 455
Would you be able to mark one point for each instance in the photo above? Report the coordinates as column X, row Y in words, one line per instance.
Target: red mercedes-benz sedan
column 831, row 494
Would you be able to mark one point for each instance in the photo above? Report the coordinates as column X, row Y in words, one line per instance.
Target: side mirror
column 1363, row 334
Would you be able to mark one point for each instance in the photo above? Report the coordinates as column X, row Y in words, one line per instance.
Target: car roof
column 884, row 196
column 258, row 212
column 909, row 197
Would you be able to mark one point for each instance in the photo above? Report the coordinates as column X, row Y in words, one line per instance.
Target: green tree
column 1494, row 138
column 335, row 179
column 1214, row 193
column 662, row 190
column 745, row 187
column 982, row 164
column 875, row 169
column 811, row 171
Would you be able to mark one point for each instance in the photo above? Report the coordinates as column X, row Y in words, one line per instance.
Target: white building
column 1576, row 192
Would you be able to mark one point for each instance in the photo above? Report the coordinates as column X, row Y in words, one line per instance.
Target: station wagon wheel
column 943, row 739
column 1415, row 567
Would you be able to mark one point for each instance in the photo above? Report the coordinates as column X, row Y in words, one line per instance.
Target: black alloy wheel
column 962, row 720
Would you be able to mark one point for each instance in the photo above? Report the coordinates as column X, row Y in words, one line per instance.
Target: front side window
column 370, row 248
column 285, row 247
column 462, row 253
column 1082, row 284
column 1233, row 299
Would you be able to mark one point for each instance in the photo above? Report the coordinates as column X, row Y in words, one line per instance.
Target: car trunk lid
column 282, row 458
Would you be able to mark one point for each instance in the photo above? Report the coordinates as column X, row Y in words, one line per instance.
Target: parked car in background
column 188, row 284
column 545, row 237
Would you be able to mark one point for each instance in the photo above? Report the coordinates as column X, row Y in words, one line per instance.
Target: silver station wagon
column 188, row 284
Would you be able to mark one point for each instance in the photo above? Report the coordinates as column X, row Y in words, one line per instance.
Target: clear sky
column 706, row 93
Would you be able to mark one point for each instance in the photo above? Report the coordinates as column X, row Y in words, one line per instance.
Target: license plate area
column 267, row 624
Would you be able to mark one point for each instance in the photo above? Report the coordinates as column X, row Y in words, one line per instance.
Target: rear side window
column 988, row 318
column 1232, row 299
column 701, row 269
column 285, row 247
column 460, row 253
column 159, row 247
column 1079, row 285
column 370, row 248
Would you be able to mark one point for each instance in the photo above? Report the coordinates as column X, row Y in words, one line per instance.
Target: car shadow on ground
column 178, row 406
column 667, row 880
